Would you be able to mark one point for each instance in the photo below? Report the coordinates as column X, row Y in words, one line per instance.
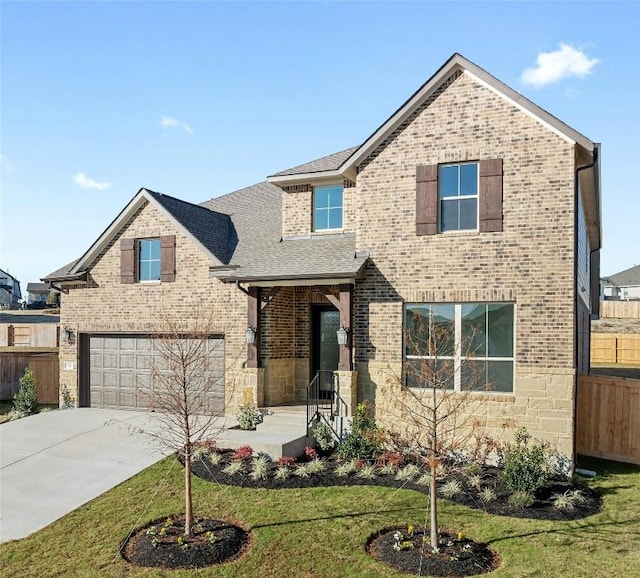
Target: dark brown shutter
column 426, row 199
column 168, row 258
column 490, row 200
column 595, row 282
column 127, row 260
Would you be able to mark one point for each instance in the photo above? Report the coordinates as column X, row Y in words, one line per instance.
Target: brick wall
column 530, row 263
column 107, row 305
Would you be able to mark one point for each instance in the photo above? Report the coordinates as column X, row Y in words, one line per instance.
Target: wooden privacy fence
column 29, row 335
column 620, row 309
column 608, row 418
column 43, row 364
column 615, row 348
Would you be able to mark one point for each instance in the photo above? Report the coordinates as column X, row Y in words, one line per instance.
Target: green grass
column 321, row 532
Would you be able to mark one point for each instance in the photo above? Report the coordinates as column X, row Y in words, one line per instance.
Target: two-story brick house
column 468, row 203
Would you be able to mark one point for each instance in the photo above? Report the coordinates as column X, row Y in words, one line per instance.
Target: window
column 460, row 346
column 149, row 260
column 327, row 208
column 458, row 196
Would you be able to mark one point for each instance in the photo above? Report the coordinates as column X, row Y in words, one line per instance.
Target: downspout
column 576, row 333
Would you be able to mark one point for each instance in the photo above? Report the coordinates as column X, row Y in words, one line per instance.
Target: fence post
column 10, row 335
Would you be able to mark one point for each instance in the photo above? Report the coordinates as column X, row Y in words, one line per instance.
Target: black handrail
column 323, row 401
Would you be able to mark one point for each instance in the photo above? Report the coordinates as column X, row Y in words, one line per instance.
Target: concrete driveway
column 55, row 461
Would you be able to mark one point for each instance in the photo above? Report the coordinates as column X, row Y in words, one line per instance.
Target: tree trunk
column 433, row 507
column 188, row 514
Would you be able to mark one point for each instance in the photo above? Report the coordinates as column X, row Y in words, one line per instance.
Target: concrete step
column 284, row 422
column 274, row 444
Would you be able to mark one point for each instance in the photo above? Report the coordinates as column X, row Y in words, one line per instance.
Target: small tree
column 25, row 401
column 182, row 394
column 438, row 418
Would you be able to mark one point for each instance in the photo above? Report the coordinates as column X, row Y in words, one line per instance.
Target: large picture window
column 327, row 208
column 458, row 196
column 459, row 347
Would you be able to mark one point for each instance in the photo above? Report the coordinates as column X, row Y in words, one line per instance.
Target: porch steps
column 282, row 433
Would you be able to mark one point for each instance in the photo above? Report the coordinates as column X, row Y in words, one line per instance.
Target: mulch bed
column 412, row 553
column 163, row 544
column 542, row 508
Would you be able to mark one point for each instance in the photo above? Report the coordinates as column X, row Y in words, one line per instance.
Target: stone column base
column 348, row 391
column 253, row 386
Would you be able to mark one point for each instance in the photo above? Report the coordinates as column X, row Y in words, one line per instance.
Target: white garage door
column 120, row 366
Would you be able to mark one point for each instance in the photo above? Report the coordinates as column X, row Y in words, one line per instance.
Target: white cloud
column 171, row 122
column 555, row 66
column 85, row 182
column 6, row 165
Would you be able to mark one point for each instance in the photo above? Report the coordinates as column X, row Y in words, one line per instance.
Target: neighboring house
column 469, row 203
column 624, row 285
column 42, row 294
column 10, row 294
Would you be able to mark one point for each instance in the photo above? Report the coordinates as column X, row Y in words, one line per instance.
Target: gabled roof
column 207, row 228
column 457, row 64
column 627, row 278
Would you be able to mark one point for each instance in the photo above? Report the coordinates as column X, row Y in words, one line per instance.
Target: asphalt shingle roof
column 627, row 278
column 211, row 228
column 62, row 272
column 38, row 288
column 256, row 213
column 329, row 163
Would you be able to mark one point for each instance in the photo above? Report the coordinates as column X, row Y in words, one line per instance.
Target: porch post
column 253, row 320
column 344, row 363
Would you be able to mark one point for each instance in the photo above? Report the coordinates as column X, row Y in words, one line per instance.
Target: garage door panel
column 120, row 370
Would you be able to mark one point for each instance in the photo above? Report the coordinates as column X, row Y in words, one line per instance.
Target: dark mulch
column 412, row 553
column 162, row 544
column 542, row 508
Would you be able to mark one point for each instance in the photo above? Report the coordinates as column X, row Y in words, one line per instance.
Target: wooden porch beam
column 253, row 320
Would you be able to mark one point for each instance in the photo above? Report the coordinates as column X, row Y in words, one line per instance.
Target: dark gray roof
column 213, row 229
column 60, row 273
column 328, row 163
column 38, row 288
column 627, row 278
column 261, row 254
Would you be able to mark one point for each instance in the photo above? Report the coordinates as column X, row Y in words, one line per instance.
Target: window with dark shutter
column 127, row 260
column 490, row 195
column 426, row 199
column 168, row 258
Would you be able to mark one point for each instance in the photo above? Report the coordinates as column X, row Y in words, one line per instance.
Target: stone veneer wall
column 530, row 263
column 107, row 305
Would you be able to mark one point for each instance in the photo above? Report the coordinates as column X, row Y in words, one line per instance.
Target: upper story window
column 149, row 260
column 458, row 196
column 327, row 208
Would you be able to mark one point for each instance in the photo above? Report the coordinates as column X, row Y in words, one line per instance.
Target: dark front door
column 325, row 349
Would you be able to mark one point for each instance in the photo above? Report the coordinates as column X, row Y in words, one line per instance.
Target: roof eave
column 303, row 178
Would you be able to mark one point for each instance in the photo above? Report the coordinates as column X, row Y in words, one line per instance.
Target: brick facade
column 530, row 263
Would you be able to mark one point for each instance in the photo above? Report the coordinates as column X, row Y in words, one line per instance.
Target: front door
column 325, row 348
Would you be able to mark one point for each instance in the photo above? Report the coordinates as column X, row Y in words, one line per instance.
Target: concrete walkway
column 54, row 462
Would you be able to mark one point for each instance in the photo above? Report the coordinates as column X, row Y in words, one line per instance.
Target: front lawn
column 322, row 532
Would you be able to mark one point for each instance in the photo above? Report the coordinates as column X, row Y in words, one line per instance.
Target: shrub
column 243, row 453
column 521, row 500
column 215, row 458
column 282, row 473
column 260, row 468
column 285, row 462
column 310, row 453
column 345, row 469
column 233, row 468
column 407, row 473
column 367, row 472
column 249, row 416
column 451, row 489
column 526, row 463
column 323, row 435
column 363, row 440
column 315, row 466
column 486, row 495
column 25, row 401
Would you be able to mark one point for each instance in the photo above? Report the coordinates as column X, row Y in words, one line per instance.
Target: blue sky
column 197, row 99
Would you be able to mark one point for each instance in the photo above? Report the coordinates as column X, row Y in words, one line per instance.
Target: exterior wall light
column 343, row 335
column 67, row 335
column 250, row 335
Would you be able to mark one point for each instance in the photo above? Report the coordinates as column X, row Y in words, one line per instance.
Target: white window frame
column 139, row 260
column 313, row 208
column 442, row 199
column 457, row 357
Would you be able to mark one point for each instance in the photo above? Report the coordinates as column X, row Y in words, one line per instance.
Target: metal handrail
column 326, row 408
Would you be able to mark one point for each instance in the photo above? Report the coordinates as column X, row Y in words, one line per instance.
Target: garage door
column 119, row 371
